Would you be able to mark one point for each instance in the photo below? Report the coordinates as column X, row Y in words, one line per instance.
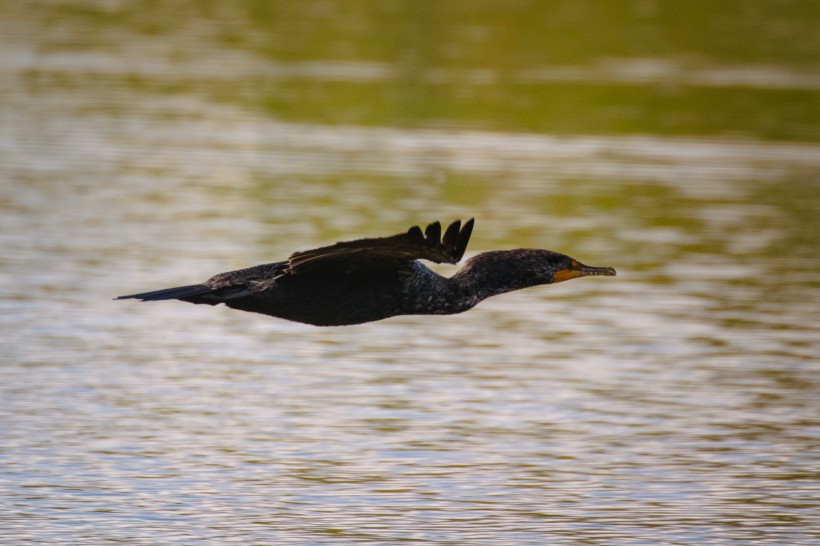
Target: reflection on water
column 674, row 404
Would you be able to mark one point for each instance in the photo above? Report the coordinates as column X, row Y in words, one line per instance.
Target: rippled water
column 674, row 404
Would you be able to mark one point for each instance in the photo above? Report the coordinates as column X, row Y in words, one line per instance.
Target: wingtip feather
column 464, row 238
column 433, row 234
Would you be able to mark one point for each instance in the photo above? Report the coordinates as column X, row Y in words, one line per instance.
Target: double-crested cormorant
column 372, row 279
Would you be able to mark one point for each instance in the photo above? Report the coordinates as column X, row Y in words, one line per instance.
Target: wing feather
column 397, row 251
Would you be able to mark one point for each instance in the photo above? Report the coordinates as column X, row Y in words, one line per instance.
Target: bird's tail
column 178, row 293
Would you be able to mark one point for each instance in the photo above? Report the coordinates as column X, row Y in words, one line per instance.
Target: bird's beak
column 577, row 269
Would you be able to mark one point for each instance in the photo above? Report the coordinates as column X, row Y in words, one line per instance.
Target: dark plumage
column 372, row 279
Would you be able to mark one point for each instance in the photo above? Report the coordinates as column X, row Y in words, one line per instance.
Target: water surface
column 673, row 404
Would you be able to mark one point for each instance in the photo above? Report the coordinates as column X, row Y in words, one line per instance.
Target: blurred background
column 147, row 144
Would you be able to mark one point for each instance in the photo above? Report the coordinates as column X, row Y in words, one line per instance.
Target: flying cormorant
column 371, row 279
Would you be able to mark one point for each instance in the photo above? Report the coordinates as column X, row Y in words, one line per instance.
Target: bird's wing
column 397, row 251
column 244, row 282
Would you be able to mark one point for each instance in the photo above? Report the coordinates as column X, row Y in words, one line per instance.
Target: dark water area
column 146, row 145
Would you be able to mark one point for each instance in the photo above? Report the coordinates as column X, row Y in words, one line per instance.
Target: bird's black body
column 372, row 279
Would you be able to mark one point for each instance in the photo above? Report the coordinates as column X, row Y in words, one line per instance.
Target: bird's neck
column 481, row 277
column 489, row 274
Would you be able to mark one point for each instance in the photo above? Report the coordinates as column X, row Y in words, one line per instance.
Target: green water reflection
column 730, row 69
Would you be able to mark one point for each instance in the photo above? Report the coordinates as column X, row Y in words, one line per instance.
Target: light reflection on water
column 665, row 405
column 675, row 403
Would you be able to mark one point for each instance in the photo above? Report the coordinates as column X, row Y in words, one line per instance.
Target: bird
column 366, row 280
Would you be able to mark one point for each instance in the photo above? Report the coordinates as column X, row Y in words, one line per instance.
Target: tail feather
column 176, row 293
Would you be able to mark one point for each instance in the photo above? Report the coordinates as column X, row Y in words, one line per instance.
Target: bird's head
column 536, row 266
column 506, row 270
column 564, row 268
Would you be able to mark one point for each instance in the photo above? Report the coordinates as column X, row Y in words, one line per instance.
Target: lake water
column 147, row 146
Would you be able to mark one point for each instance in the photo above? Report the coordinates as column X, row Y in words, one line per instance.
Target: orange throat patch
column 565, row 275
